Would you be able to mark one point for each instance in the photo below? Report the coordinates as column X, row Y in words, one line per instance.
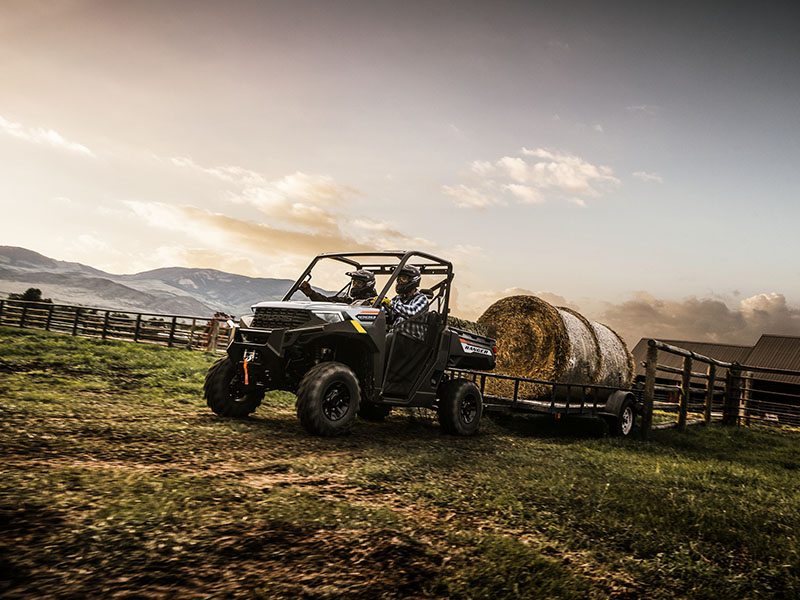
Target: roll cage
column 390, row 262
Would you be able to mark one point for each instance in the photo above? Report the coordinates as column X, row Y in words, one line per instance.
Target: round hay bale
column 470, row 326
column 538, row 341
column 584, row 353
column 532, row 342
column 616, row 363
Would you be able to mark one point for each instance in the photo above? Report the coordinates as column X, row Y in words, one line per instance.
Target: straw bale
column 470, row 326
column 532, row 341
column 584, row 353
column 616, row 362
column 538, row 341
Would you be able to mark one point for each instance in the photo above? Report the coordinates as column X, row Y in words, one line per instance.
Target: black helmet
column 408, row 279
column 362, row 285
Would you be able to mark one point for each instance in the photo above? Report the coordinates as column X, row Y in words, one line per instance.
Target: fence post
column 191, row 333
column 49, row 318
column 712, row 373
column 105, row 325
column 23, row 315
column 212, row 339
column 686, row 392
column 649, row 388
column 172, row 331
column 2, row 306
column 136, row 328
column 730, row 415
column 75, row 320
column 746, row 381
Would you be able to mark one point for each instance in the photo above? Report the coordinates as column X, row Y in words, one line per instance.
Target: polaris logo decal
column 473, row 349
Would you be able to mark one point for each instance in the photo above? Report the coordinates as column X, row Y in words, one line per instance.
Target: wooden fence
column 209, row 334
column 703, row 396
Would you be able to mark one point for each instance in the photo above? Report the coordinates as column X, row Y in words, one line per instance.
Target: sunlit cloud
column 465, row 196
column 43, row 137
column 703, row 319
column 648, row 177
column 533, row 177
column 229, row 173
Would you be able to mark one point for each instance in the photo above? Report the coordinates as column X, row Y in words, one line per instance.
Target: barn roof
column 777, row 352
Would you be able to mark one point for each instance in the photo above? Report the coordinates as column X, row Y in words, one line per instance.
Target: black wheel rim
column 235, row 394
column 336, row 401
column 469, row 409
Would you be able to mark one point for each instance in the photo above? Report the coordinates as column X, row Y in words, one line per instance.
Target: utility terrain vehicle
column 339, row 360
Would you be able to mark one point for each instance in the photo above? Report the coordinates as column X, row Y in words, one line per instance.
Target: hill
column 116, row 477
column 174, row 290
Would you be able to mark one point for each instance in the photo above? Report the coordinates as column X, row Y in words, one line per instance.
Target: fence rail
column 209, row 334
column 740, row 397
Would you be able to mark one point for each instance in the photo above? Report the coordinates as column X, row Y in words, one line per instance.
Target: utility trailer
column 617, row 407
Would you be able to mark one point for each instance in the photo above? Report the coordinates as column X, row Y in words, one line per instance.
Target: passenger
column 362, row 287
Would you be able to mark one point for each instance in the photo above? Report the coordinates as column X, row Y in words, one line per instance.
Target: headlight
column 329, row 316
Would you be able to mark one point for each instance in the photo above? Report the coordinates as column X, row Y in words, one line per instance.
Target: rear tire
column 328, row 399
column 223, row 397
column 622, row 424
column 461, row 408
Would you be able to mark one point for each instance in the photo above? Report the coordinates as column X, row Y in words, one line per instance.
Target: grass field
column 117, row 480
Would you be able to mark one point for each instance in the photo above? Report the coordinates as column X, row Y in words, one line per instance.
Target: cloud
column 532, row 177
column 473, row 304
column 648, row 177
column 703, row 319
column 465, row 196
column 646, row 109
column 691, row 319
column 44, row 137
column 598, row 128
column 231, row 174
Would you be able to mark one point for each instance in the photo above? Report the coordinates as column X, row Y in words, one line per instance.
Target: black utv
column 340, row 359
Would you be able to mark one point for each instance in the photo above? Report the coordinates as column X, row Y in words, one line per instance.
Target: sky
column 637, row 160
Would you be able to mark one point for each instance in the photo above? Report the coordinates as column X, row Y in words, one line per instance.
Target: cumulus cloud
column 465, row 196
column 648, row 177
column 703, row 319
column 42, row 136
column 646, row 109
column 532, row 177
column 229, row 173
column 473, row 304
column 645, row 316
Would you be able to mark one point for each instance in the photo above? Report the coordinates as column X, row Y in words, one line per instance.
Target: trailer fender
column 615, row 402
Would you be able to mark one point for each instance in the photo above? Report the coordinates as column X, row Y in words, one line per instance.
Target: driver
column 409, row 300
column 362, row 287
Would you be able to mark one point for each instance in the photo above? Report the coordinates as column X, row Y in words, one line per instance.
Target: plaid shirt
column 402, row 309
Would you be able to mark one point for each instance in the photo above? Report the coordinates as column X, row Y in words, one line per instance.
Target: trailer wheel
column 622, row 424
column 328, row 399
column 461, row 408
column 223, row 395
column 376, row 413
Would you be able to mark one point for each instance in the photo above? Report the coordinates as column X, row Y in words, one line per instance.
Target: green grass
column 117, row 478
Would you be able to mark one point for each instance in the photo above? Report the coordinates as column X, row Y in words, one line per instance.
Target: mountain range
column 171, row 290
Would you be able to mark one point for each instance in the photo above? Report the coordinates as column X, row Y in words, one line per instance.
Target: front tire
column 328, row 399
column 461, row 408
column 222, row 394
